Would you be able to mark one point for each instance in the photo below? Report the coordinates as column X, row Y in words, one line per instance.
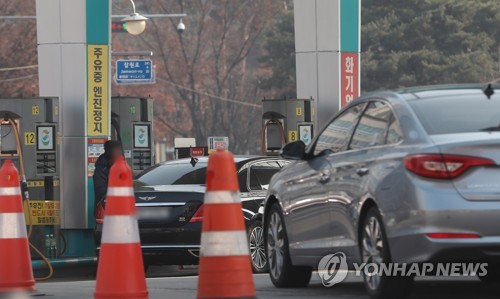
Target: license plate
column 153, row 213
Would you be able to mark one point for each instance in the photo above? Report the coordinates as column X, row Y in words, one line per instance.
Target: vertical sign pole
column 350, row 33
column 98, row 89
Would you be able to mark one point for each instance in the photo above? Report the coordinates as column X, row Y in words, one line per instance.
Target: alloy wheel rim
column 372, row 247
column 275, row 243
column 257, row 249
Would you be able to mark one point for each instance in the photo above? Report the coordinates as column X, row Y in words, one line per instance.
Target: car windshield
column 458, row 114
column 173, row 174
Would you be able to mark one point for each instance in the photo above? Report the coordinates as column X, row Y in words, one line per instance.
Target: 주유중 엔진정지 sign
column 98, row 90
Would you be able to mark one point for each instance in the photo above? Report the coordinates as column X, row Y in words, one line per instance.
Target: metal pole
column 133, row 5
column 136, row 53
column 178, row 15
column 17, row 17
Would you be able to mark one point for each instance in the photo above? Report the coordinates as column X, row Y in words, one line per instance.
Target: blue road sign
column 134, row 71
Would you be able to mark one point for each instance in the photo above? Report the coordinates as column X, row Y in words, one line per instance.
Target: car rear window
column 457, row 114
column 174, row 174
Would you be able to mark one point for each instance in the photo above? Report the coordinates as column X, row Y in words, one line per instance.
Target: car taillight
column 438, row 166
column 198, row 215
column 452, row 236
column 99, row 214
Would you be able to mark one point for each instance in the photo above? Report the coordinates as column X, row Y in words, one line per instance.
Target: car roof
column 173, row 188
column 431, row 91
column 237, row 159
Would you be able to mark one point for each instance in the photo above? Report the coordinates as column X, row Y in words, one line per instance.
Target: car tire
column 283, row 274
column 257, row 248
column 374, row 248
column 492, row 277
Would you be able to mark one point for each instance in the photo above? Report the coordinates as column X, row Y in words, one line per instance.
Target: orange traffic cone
column 224, row 270
column 16, row 273
column 120, row 272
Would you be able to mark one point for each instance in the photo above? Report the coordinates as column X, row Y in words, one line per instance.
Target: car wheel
column 257, row 248
column 283, row 274
column 374, row 248
column 492, row 276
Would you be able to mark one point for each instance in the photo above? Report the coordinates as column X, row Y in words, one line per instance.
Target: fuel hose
column 25, row 190
column 264, row 132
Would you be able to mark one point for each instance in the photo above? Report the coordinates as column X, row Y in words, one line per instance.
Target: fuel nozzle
column 24, row 187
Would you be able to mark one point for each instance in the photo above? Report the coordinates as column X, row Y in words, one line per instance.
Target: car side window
column 374, row 125
column 242, row 180
column 284, row 163
column 395, row 133
column 261, row 174
column 254, row 182
column 336, row 136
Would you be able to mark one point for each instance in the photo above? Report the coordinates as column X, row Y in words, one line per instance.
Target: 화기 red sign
column 350, row 77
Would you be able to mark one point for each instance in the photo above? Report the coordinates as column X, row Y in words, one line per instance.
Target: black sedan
column 169, row 201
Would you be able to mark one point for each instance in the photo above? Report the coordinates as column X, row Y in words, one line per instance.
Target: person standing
column 112, row 151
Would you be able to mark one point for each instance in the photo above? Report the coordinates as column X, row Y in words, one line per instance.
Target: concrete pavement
column 352, row 288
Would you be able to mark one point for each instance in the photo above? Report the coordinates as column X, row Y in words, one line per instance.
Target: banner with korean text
column 350, row 77
column 98, row 89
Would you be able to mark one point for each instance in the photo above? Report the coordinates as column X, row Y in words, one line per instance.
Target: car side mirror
column 294, row 150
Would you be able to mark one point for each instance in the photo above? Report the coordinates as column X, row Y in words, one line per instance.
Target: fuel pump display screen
column 45, row 138
column 46, row 149
column 141, row 154
column 141, row 136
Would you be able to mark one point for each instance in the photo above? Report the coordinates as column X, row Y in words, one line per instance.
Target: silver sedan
column 410, row 176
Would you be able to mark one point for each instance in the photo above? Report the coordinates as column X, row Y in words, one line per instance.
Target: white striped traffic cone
column 16, row 273
column 225, row 270
column 120, row 273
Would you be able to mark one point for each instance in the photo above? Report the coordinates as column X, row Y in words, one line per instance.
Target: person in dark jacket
column 112, row 151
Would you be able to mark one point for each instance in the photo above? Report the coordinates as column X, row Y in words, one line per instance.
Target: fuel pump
column 28, row 135
column 286, row 120
column 132, row 125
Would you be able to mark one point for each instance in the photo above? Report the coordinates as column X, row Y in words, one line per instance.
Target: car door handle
column 324, row 178
column 362, row 171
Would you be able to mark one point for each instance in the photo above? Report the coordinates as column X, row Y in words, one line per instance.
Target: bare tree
column 206, row 77
column 18, row 50
column 209, row 72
